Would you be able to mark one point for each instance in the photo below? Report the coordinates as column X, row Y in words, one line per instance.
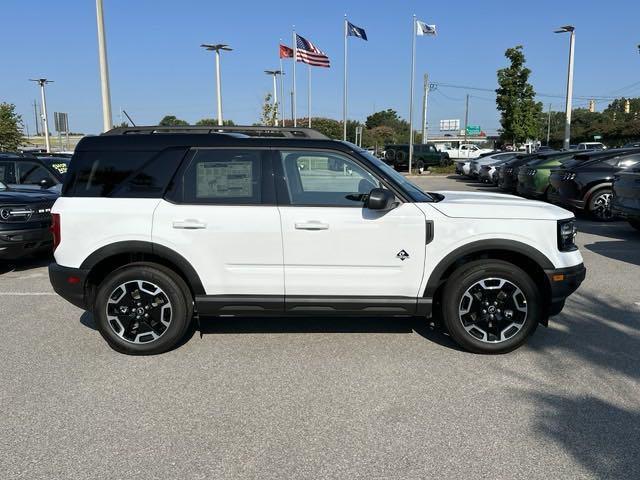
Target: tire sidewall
column 466, row 276
column 170, row 284
column 592, row 201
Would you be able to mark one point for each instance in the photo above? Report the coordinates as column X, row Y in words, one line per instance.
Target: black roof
column 156, row 138
column 235, row 130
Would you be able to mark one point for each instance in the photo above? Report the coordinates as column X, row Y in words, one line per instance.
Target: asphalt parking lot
column 328, row 398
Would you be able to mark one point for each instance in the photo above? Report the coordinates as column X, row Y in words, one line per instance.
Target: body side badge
column 402, row 255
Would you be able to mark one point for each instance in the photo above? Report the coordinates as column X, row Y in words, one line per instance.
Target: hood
column 19, row 196
column 496, row 206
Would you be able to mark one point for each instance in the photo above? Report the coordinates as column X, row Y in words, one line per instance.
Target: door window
column 7, row 172
column 325, row 179
column 222, row 177
column 31, row 173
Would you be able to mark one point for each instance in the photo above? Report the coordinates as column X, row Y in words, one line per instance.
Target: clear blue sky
column 157, row 67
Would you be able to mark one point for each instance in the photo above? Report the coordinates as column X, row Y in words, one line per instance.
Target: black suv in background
column 26, row 171
column 587, row 185
column 508, row 172
column 626, row 195
column 25, row 219
column 424, row 155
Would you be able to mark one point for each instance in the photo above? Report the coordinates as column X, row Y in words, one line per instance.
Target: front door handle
column 312, row 225
column 189, row 224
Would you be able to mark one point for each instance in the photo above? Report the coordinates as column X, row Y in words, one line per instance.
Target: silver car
column 476, row 164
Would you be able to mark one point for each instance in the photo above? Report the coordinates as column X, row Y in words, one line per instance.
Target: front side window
column 222, row 176
column 325, row 179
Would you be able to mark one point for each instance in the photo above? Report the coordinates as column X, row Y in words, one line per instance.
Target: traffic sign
column 473, row 130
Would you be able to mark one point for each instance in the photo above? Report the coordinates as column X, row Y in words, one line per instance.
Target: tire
column 399, row 156
column 634, row 222
column 390, row 155
column 510, row 327
column 600, row 205
column 420, row 166
column 143, row 290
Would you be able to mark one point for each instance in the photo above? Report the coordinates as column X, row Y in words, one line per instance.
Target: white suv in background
column 156, row 227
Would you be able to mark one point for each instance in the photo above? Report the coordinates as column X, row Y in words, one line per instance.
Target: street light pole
column 42, row 82
column 274, row 74
column 216, row 48
column 567, row 123
column 107, row 123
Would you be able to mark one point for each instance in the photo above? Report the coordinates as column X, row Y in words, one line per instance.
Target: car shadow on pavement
column 24, row 264
column 601, row 434
column 619, row 230
column 257, row 325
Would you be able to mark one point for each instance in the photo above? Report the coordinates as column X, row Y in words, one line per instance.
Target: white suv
column 155, row 228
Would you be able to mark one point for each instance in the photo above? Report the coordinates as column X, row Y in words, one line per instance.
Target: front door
column 334, row 247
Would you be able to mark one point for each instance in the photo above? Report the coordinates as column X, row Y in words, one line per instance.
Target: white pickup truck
column 466, row 150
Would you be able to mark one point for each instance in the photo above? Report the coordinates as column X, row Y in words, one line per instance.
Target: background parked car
column 626, row 195
column 27, row 171
column 591, row 146
column 463, row 167
column 487, row 172
column 475, row 164
column 25, row 218
column 508, row 173
column 588, row 185
column 467, row 151
column 533, row 179
column 424, row 155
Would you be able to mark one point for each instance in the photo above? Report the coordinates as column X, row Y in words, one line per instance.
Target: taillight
column 55, row 229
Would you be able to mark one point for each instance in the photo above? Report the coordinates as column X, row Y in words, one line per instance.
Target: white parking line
column 25, row 294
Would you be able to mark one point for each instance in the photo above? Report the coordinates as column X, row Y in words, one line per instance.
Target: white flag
column 424, row 29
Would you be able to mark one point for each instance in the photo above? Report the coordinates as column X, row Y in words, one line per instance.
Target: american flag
column 309, row 53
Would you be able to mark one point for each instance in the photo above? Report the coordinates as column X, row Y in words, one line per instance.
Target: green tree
column 389, row 118
column 10, row 127
column 520, row 113
column 213, row 122
column 171, row 121
column 377, row 137
column 269, row 115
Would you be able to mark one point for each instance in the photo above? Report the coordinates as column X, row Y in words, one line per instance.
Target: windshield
column 415, row 193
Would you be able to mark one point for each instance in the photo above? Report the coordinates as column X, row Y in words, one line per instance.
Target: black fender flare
column 479, row 246
column 595, row 188
column 150, row 248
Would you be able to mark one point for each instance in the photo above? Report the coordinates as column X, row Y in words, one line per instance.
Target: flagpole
column 309, row 96
column 295, row 59
column 282, row 100
column 413, row 73
column 344, row 100
column 281, row 105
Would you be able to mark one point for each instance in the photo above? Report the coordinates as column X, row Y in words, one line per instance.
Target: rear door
column 334, row 247
column 221, row 216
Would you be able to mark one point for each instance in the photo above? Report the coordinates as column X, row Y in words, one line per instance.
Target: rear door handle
column 189, row 224
column 312, row 225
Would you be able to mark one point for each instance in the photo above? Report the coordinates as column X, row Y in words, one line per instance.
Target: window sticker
column 224, row 179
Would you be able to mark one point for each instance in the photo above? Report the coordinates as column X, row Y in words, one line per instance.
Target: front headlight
column 567, row 231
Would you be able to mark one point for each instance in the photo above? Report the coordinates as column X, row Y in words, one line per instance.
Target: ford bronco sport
column 159, row 226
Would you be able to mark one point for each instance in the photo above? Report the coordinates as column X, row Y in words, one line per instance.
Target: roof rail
column 249, row 131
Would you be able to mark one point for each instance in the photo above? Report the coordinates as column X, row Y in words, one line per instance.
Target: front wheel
column 491, row 306
column 600, row 205
column 143, row 309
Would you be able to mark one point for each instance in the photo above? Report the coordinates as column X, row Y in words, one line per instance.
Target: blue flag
column 354, row 31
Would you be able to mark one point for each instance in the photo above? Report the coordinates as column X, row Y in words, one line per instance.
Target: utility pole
column 216, row 48
column 549, row 125
column 424, row 108
column 42, row 82
column 293, row 112
column 567, row 123
column 36, row 116
column 107, row 123
column 276, row 105
column 466, row 118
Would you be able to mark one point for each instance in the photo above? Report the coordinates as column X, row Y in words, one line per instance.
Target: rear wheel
column 390, row 154
column 143, row 309
column 491, row 306
column 600, row 205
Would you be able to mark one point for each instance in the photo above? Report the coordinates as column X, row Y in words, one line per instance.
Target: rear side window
column 32, row 173
column 7, row 172
column 122, row 174
column 225, row 176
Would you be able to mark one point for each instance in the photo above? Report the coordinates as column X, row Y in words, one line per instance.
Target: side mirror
column 380, row 199
column 46, row 183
